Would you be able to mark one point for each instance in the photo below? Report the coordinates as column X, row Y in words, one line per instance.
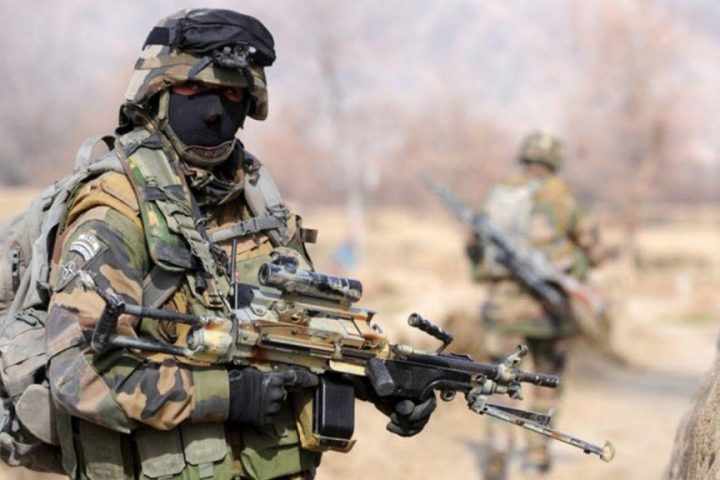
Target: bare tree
column 625, row 111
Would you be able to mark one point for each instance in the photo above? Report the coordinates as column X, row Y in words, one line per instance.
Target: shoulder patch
column 79, row 253
column 86, row 245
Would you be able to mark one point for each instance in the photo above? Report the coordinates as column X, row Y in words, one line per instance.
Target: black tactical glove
column 407, row 417
column 256, row 397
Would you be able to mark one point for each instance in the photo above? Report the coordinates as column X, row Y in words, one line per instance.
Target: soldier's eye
column 234, row 94
column 187, row 88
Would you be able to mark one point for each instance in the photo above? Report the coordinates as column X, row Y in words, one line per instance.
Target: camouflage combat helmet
column 215, row 46
column 541, row 147
column 209, row 45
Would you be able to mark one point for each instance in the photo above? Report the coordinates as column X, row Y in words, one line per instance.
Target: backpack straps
column 265, row 202
column 250, row 226
column 84, row 154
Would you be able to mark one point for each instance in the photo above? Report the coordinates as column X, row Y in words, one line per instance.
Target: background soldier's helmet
column 541, row 147
column 209, row 45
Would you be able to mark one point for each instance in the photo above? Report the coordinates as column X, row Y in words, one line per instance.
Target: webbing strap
column 159, row 286
column 247, row 227
column 84, row 153
column 263, row 197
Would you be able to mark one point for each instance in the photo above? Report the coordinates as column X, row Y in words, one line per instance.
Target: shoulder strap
column 159, row 286
column 162, row 195
column 248, row 227
column 84, row 153
column 264, row 199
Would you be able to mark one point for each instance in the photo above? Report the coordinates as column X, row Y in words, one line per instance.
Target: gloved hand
column 256, row 397
column 407, row 416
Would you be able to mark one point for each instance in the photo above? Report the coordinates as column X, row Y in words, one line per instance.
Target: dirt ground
column 666, row 324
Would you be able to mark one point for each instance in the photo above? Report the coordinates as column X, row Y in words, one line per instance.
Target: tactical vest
column 509, row 207
column 187, row 266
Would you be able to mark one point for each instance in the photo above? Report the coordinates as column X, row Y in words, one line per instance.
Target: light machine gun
column 306, row 320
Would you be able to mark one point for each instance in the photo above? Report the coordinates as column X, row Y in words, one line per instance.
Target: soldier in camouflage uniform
column 158, row 232
column 538, row 210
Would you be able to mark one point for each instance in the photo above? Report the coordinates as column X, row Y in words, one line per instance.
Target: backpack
column 27, row 433
column 509, row 207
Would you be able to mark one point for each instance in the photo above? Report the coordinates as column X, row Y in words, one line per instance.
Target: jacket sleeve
column 561, row 229
column 585, row 233
column 118, row 389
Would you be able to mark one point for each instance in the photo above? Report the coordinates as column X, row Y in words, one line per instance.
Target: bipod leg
column 606, row 452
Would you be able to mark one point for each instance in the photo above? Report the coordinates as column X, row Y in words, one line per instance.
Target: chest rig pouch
column 179, row 250
column 171, row 220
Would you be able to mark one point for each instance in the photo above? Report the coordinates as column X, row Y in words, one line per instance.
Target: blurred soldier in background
column 537, row 209
column 158, row 228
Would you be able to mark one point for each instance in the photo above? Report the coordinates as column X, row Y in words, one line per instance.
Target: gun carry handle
column 431, row 329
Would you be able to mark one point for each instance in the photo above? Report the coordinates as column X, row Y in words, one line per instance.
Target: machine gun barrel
column 493, row 372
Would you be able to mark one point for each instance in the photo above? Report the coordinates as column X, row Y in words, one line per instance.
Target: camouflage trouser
column 547, row 355
column 510, row 316
column 509, row 309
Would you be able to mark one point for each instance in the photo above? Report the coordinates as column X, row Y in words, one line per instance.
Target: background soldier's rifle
column 303, row 319
column 561, row 295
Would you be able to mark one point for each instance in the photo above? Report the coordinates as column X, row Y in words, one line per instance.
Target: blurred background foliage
column 364, row 95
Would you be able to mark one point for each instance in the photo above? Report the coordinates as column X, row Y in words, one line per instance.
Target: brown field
column 666, row 323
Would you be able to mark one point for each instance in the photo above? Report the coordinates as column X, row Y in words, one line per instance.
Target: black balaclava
column 206, row 119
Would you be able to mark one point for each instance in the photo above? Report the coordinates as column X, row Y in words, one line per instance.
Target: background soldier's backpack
column 508, row 207
column 27, row 435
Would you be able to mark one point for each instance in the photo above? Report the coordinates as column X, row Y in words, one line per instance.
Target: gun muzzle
column 539, row 379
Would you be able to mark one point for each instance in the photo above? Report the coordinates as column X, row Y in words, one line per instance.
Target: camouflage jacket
column 553, row 225
column 556, row 226
column 122, row 390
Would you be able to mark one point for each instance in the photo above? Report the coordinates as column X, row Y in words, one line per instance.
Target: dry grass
column 417, row 261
